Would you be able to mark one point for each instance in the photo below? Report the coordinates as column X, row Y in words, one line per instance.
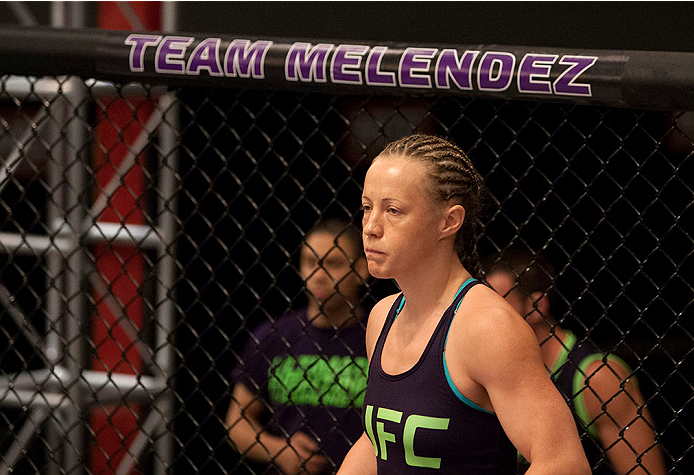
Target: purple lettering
column 137, row 51
column 535, row 66
column 566, row 83
column 245, row 59
column 346, row 62
column 460, row 71
column 374, row 76
column 205, row 56
column 495, row 71
column 415, row 60
column 309, row 65
column 170, row 53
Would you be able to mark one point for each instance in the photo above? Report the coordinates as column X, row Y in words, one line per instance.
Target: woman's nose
column 372, row 227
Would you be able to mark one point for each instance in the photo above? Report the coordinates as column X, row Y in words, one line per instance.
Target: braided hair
column 452, row 177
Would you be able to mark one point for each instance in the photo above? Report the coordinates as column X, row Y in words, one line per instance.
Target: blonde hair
column 452, row 177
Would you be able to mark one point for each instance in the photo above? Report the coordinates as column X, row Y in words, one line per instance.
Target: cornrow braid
column 453, row 177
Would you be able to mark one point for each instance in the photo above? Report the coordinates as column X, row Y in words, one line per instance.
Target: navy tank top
column 419, row 422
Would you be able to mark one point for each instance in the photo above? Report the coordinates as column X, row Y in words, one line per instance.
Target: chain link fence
column 146, row 233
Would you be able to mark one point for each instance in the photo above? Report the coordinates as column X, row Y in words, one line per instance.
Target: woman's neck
column 426, row 291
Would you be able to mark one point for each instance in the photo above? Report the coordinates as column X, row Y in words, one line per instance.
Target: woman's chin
column 379, row 273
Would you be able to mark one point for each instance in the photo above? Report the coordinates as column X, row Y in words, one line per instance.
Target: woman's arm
column 377, row 319
column 500, row 366
column 361, row 458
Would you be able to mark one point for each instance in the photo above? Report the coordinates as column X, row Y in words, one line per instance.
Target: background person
column 300, row 380
column 601, row 389
column 454, row 370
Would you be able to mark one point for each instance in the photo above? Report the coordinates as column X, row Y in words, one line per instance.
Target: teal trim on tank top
column 456, row 296
column 402, row 302
column 456, row 309
column 455, row 390
column 397, row 312
column 452, row 385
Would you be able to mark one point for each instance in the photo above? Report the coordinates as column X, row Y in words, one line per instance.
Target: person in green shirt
column 617, row 431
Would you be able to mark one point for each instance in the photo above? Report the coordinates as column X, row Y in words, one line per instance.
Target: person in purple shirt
column 300, row 380
column 456, row 380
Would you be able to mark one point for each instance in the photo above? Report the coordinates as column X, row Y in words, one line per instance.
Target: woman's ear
column 453, row 221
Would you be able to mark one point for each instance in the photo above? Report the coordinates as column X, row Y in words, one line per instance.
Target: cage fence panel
column 149, row 232
column 85, row 244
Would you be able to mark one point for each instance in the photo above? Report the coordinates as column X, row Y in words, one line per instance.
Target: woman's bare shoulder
column 483, row 307
column 487, row 321
column 384, row 305
column 377, row 319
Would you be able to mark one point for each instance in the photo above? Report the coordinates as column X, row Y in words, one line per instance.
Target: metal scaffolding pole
column 67, row 385
column 59, row 398
column 76, row 193
column 55, row 278
column 165, row 358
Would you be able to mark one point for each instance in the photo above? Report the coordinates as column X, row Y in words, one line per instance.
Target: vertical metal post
column 166, row 310
column 58, row 14
column 76, row 213
column 63, row 15
column 55, row 264
column 55, row 279
column 56, row 205
column 75, row 358
column 169, row 14
column 78, row 14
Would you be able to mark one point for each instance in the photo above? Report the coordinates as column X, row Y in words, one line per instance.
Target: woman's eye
column 365, row 208
column 393, row 211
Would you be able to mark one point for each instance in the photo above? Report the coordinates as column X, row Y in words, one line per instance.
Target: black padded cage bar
column 121, row 323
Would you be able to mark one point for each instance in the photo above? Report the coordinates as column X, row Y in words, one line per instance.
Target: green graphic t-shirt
column 312, row 378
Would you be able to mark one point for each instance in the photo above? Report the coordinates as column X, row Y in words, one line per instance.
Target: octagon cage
column 151, row 223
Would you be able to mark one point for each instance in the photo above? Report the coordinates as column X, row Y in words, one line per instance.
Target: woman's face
column 401, row 220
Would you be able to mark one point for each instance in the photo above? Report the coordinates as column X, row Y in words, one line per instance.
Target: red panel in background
column 121, row 267
column 111, row 16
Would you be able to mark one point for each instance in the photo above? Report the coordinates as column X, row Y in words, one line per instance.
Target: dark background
column 654, row 26
column 215, row 288
column 607, row 25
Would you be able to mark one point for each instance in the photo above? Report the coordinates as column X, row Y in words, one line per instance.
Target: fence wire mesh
column 146, row 235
